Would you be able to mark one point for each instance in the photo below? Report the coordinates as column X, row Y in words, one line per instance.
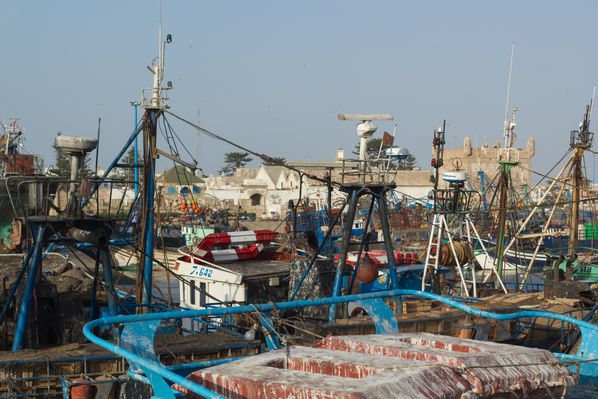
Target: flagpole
column 381, row 145
column 394, row 132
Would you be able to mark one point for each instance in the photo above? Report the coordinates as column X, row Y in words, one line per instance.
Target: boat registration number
column 201, row 271
column 585, row 269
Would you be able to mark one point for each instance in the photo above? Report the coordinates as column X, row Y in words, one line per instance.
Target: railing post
column 36, row 259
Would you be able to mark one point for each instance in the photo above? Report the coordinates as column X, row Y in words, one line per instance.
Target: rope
column 263, row 157
column 284, row 322
column 167, row 269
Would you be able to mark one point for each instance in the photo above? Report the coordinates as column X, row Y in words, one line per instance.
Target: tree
column 274, row 161
column 129, row 158
column 234, row 161
column 409, row 163
column 372, row 148
column 61, row 165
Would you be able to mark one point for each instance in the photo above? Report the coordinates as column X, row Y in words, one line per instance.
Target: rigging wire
column 173, row 146
column 167, row 269
column 336, row 183
column 262, row 156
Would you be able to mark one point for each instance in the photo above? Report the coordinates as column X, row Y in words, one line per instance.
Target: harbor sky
column 273, row 75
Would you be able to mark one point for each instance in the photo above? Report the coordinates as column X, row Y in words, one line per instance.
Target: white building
column 265, row 191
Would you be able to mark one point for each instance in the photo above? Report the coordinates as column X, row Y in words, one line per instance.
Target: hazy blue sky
column 272, row 75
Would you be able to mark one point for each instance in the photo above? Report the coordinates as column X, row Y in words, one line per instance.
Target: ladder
column 439, row 232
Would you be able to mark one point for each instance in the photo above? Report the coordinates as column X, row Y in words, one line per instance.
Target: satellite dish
column 454, row 176
column 397, row 152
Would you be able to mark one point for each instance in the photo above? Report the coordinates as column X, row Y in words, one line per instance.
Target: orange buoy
column 81, row 391
column 367, row 271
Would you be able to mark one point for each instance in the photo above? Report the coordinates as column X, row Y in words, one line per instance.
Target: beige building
column 266, row 190
column 484, row 158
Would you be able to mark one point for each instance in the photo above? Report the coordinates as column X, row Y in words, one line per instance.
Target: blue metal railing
column 588, row 350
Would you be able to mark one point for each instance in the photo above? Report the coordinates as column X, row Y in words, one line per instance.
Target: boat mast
column 571, row 174
column 580, row 141
column 154, row 104
column 507, row 158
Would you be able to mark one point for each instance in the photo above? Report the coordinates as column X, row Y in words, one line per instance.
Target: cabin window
column 192, row 293
column 202, row 294
column 185, row 190
column 171, row 190
column 256, row 199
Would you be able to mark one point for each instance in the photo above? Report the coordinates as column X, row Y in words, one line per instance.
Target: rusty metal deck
column 391, row 366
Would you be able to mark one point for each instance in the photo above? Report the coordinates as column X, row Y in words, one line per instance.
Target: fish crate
column 416, row 306
column 411, row 306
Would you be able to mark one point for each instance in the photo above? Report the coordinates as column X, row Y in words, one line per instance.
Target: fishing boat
column 15, row 166
column 233, row 245
column 571, row 176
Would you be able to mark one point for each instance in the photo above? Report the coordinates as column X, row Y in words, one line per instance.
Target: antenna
column 157, row 96
column 506, row 124
column 365, row 130
column 591, row 104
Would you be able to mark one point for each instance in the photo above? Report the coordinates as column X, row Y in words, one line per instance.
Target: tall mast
column 580, row 141
column 508, row 156
column 438, row 143
column 509, row 140
column 154, row 107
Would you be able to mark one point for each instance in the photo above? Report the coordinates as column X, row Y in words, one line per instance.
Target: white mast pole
column 592, row 103
column 506, row 129
column 157, row 67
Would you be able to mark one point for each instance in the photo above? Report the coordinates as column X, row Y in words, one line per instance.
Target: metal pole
column 36, row 259
column 98, row 146
column 107, row 268
column 94, row 287
column 136, row 151
column 149, row 166
column 387, row 239
column 363, row 143
column 429, row 253
column 361, row 245
column 297, row 208
column 13, row 289
column 502, row 188
column 112, row 165
column 316, row 254
column 537, row 207
column 338, row 278
column 577, row 177
column 484, row 202
column 329, row 203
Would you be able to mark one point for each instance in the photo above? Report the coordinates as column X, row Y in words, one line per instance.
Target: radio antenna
column 506, row 124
